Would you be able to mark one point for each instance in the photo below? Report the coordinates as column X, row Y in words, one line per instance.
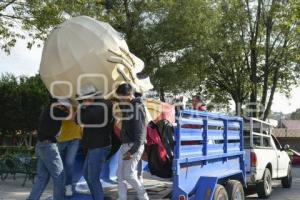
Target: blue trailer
column 208, row 158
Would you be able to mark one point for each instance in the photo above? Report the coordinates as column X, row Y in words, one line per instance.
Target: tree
column 21, row 103
column 243, row 50
column 162, row 34
column 8, row 36
column 295, row 115
column 33, row 96
column 254, row 51
column 273, row 47
column 226, row 64
column 156, row 31
column 9, row 103
column 38, row 18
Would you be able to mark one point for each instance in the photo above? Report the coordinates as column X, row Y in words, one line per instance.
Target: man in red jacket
column 198, row 104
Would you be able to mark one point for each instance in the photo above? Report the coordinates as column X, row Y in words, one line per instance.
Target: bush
column 16, row 150
column 20, row 103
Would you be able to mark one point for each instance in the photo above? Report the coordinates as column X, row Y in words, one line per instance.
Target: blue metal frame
column 209, row 150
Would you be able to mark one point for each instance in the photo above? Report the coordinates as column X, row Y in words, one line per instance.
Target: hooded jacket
column 97, row 121
column 133, row 125
column 49, row 127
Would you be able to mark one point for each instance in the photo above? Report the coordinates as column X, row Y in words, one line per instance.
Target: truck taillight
column 181, row 197
column 253, row 159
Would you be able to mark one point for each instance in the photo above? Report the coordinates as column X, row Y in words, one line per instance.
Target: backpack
column 166, row 131
column 158, row 158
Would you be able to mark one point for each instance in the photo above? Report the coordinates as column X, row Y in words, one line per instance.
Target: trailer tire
column 220, row 193
column 235, row 190
column 264, row 188
column 286, row 182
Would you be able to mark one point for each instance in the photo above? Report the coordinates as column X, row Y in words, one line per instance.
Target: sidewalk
column 13, row 190
column 157, row 189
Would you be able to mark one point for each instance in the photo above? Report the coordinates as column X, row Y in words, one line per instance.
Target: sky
column 23, row 61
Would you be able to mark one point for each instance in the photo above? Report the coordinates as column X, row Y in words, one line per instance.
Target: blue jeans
column 94, row 163
column 68, row 151
column 49, row 164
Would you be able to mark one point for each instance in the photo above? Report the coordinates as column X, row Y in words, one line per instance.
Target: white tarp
column 83, row 51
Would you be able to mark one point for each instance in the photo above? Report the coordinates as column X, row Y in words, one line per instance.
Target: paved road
column 12, row 190
column 280, row 193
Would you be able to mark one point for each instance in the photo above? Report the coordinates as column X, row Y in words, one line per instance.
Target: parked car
column 294, row 156
column 266, row 159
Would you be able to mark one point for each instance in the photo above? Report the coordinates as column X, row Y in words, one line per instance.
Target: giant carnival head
column 83, row 51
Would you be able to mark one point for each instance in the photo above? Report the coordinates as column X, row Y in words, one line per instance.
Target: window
column 277, row 144
column 256, row 140
column 246, row 138
column 261, row 141
column 266, row 141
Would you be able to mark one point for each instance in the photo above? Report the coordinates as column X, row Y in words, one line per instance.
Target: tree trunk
column 275, row 79
column 267, row 63
column 238, row 104
column 238, row 108
column 273, row 89
column 162, row 94
column 253, row 61
column 128, row 19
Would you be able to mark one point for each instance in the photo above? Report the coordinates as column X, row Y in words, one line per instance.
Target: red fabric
column 168, row 112
column 153, row 138
column 160, row 110
column 193, row 126
column 202, row 108
column 117, row 131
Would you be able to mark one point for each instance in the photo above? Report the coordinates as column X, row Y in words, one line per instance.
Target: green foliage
column 253, row 51
column 229, row 49
column 20, row 103
column 16, row 150
column 295, row 115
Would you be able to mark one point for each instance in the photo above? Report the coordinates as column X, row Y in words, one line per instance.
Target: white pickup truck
column 265, row 158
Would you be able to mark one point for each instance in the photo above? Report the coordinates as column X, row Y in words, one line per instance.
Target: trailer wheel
column 286, row 182
column 235, row 190
column 264, row 188
column 220, row 193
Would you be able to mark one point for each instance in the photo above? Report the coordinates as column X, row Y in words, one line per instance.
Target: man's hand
column 72, row 115
column 63, row 108
column 127, row 156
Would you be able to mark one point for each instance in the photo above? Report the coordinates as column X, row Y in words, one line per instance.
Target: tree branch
column 269, row 26
column 10, row 16
column 275, row 80
column 274, row 42
column 249, row 16
column 257, row 21
column 283, row 48
column 8, row 4
column 273, row 89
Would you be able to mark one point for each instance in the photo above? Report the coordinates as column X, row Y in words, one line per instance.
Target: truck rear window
column 246, row 139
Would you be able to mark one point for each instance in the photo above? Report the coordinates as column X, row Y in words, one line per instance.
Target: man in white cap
column 95, row 114
column 49, row 160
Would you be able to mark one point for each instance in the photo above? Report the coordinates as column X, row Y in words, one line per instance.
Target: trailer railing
column 209, row 149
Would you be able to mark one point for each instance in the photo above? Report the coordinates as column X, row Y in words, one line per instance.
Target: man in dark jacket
column 95, row 114
column 49, row 160
column 133, row 138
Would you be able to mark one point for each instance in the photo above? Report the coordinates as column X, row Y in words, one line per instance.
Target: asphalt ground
column 11, row 189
